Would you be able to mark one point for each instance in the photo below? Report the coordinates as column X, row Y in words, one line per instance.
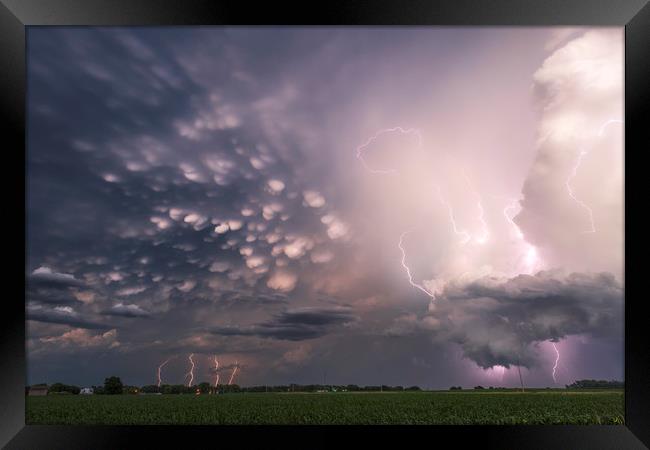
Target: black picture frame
column 16, row 15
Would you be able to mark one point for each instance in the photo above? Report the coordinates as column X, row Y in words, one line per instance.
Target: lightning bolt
column 606, row 124
column 465, row 236
column 191, row 372
column 159, row 369
column 361, row 148
column 530, row 257
column 557, row 358
column 486, row 233
column 216, row 370
column 574, row 172
column 408, row 271
column 509, row 218
column 234, row 371
column 576, row 199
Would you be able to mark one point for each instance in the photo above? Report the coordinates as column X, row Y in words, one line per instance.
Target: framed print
column 381, row 220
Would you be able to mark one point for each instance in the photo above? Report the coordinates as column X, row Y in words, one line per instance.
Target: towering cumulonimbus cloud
column 570, row 217
column 575, row 183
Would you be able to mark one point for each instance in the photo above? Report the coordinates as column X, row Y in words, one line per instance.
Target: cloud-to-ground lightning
column 586, row 207
column 234, row 371
column 160, row 368
column 190, row 374
column 406, row 267
column 360, row 149
column 216, row 371
column 557, row 359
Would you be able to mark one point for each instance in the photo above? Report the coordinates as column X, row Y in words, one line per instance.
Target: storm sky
column 403, row 206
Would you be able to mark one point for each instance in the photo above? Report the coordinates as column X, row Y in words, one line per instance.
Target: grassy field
column 541, row 407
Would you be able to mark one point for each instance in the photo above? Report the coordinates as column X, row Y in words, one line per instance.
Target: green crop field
column 540, row 407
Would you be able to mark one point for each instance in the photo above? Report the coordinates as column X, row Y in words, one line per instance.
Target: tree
column 150, row 389
column 596, row 384
column 60, row 388
column 130, row 390
column 175, row 389
column 204, row 387
column 113, row 385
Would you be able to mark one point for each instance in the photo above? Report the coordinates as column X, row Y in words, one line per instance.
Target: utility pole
column 521, row 380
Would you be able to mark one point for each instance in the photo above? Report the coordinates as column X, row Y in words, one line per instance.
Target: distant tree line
column 113, row 385
column 596, row 384
column 60, row 388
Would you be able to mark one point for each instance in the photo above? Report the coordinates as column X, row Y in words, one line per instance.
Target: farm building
column 38, row 390
column 86, row 391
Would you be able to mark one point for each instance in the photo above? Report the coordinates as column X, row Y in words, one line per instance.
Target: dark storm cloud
column 63, row 316
column 143, row 142
column 44, row 277
column 315, row 316
column 496, row 320
column 53, row 295
column 47, row 286
column 294, row 325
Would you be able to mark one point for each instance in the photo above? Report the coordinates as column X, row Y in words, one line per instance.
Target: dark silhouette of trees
column 60, row 388
column 596, row 384
column 113, row 385
column 150, row 389
column 203, row 387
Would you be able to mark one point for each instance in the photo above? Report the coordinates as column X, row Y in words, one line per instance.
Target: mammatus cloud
column 127, row 310
column 83, row 338
column 496, row 321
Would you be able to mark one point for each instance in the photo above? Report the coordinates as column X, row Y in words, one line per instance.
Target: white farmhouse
column 86, row 391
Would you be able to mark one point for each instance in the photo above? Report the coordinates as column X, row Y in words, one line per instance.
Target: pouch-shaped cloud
column 276, row 186
column 127, row 310
column 321, row 256
column 125, row 292
column 313, row 199
column 79, row 337
column 282, row 280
